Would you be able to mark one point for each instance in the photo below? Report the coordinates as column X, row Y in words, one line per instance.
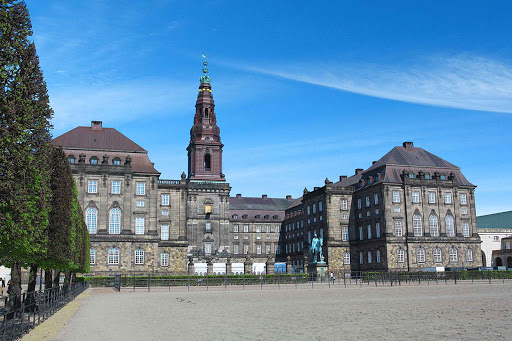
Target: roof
column 94, row 139
column 350, row 181
column 262, row 204
column 497, row 220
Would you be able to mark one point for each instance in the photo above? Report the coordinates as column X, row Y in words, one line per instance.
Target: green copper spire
column 205, row 78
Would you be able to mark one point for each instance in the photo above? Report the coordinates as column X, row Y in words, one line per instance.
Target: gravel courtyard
column 450, row 312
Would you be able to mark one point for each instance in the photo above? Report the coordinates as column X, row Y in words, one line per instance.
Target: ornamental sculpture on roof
column 205, row 78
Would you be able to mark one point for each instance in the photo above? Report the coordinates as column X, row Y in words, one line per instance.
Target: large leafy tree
column 24, row 147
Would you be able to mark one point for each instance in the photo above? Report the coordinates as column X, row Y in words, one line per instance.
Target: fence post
column 243, row 281
column 455, row 277
column 149, row 282
column 188, row 282
column 503, row 277
column 207, row 281
column 226, row 281
column 133, row 282
column 169, row 282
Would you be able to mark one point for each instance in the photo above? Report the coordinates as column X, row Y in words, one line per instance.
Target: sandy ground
column 449, row 312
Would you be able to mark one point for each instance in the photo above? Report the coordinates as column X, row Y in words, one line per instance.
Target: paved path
column 449, row 312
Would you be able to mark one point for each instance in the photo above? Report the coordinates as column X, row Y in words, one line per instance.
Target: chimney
column 359, row 171
column 408, row 145
column 288, row 197
column 239, row 195
column 96, row 125
column 264, row 196
column 342, row 177
column 373, row 162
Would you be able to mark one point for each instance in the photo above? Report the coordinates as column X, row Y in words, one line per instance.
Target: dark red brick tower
column 205, row 148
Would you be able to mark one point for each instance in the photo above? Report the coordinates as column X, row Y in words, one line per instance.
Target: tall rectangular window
column 208, row 226
column 377, row 230
column 92, row 256
column 91, row 219
column 463, row 199
column 361, row 236
column 139, row 256
column 207, row 249
column 246, row 228
column 431, row 197
column 398, row 228
column 465, row 229
column 258, row 249
column 246, row 249
column 116, row 187
column 367, row 201
column 93, row 186
column 344, row 204
column 164, row 259
column 164, row 229
column 369, row 228
column 447, row 198
column 415, row 197
column 396, row 196
column 359, row 203
column 320, row 206
column 258, row 228
column 139, row 225
column 401, row 256
column 165, row 199
column 267, row 228
column 235, row 228
column 376, row 199
column 141, row 188
column 235, row 249
column 344, row 233
column 267, row 249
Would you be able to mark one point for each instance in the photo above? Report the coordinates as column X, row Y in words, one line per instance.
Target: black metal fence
column 20, row 314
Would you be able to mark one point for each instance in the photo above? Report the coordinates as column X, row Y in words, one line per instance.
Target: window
column 344, row 204
column 208, row 248
column 113, row 256
column 344, row 216
column 165, row 212
column 415, row 197
column 438, row 258
column 320, row 206
column 469, row 255
column 235, row 237
column 361, row 259
column 258, row 249
column 246, row 237
column 258, row 217
column 165, row 199
column 235, row 228
column 359, row 203
column 71, row 159
column 116, row 187
column 246, row 228
column 377, row 230
column 208, row 226
column 369, row 257
column 431, row 197
column 447, row 198
column 235, row 216
column 369, row 231
column 507, row 245
column 361, row 237
column 258, row 228
column 92, row 256
column 115, row 221
column 376, row 211
column 427, row 176
column 453, row 254
column 346, row 258
column 246, row 249
column 309, row 210
column 463, row 199
column 164, row 232
column 398, row 228
column 420, row 255
column 275, row 217
column 367, row 201
column 344, row 233
column 375, row 199
column 91, row 219
column 434, row 226
column 411, row 175
column 93, row 186
column 93, row 160
column 496, row 238
column 368, row 213
column 267, row 228
column 116, row 161
column 207, row 162
column 396, row 196
column 267, row 249
column 244, row 216
column 139, row 256
column 140, row 203
column 139, row 225
column 400, row 255
column 235, row 249
column 465, row 229
column 450, row 230
column 396, row 209
column 164, row 259
column 314, row 208
column 141, row 188
column 377, row 258
column 416, row 222
column 443, row 176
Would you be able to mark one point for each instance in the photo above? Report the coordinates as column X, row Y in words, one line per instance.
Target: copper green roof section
column 502, row 220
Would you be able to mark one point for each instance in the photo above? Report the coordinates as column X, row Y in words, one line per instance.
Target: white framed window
column 346, row 258
column 246, row 228
column 116, row 162
column 246, row 249
column 207, row 248
column 164, row 232
column 361, row 258
column 398, row 228
column 415, row 197
column 344, row 233
column 420, row 255
column 463, row 199
column 377, row 230
column 359, row 203
column 93, row 160
column 165, row 199
column 140, row 203
column 396, row 209
column 267, row 228
column 246, row 237
column 361, row 237
column 369, row 228
column 113, row 256
column 235, row 228
column 165, row 212
column 164, row 259
column 367, row 201
column 400, row 255
column 93, row 186
column 376, row 199
column 447, row 198
column 438, row 256
column 453, row 254
column 465, row 229
column 396, row 196
column 235, row 249
column 434, row 225
column 258, row 249
column 114, row 225
column 377, row 256
column 369, row 257
column 139, row 256
column 469, row 255
column 258, row 228
column 141, row 188
column 235, row 237
column 92, row 256
column 344, row 216
column 91, row 219
column 496, row 238
column 431, row 197
column 344, row 204
column 464, row 211
column 116, row 187
column 267, row 249
column 208, row 226
column 416, row 222
column 450, row 229
column 139, row 225
column 320, row 206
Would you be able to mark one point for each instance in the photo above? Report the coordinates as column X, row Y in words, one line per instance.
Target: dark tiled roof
column 350, row 181
column 104, row 139
column 495, row 221
column 262, row 204
column 295, row 203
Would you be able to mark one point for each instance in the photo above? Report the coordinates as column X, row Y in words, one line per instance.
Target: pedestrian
column 2, row 286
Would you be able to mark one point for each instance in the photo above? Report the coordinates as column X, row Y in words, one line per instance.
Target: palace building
column 409, row 210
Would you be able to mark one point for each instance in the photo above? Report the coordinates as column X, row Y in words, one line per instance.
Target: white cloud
column 463, row 82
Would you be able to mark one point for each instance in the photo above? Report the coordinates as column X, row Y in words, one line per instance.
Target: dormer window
column 71, row 159
column 411, row 175
column 258, row 217
column 235, row 216
column 427, row 176
column 93, row 160
column 116, row 161
column 267, row 217
column 443, row 176
column 244, row 216
column 275, row 217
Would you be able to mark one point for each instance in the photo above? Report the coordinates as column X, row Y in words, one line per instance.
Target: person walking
column 2, row 286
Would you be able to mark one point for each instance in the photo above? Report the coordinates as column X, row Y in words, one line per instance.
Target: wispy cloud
column 463, row 82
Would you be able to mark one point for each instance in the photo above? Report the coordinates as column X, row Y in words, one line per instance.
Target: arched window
column 378, row 256
column 346, row 258
column 434, row 226
column 420, row 255
column 369, row 257
column 205, row 112
column 139, row 256
column 469, row 255
column 369, row 231
column 450, row 229
column 416, row 222
column 427, row 176
column 91, row 219
column 93, row 160
column 400, row 254
column 438, row 257
column 443, row 176
column 411, row 175
column 115, row 221
column 116, row 161
column 113, row 256
column 453, row 254
column 235, row 216
column 377, row 230
column 92, row 256
column 207, row 162
column 71, row 159
column 361, row 259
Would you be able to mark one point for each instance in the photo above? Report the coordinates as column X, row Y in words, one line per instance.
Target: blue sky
column 303, row 90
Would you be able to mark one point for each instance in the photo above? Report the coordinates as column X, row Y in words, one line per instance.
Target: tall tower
column 205, row 148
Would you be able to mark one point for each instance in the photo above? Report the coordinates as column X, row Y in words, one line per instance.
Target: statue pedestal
column 317, row 269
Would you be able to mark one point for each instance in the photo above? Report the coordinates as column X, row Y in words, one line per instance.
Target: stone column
column 248, row 265
column 228, row 266
column 305, row 264
column 190, row 266
column 270, row 265
column 209, row 265
column 288, row 265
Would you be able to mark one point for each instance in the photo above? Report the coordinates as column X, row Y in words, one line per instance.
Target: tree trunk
column 73, row 278
column 56, row 278
column 48, row 281
column 67, row 279
column 32, row 278
column 14, row 290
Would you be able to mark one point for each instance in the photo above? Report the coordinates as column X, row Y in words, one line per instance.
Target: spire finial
column 205, row 78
